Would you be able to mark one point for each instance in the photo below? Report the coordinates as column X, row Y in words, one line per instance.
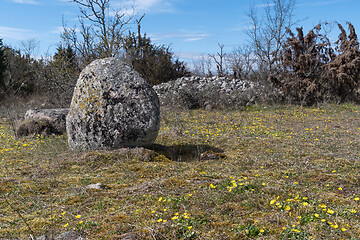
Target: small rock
column 210, row 155
column 43, row 126
column 98, row 186
column 69, row 236
column 58, row 115
column 128, row 236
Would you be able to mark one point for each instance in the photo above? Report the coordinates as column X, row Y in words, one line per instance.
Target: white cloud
column 57, row 30
column 144, row 6
column 241, row 28
column 15, row 33
column 191, row 56
column 26, row 1
column 264, row 5
column 321, row 3
column 185, row 36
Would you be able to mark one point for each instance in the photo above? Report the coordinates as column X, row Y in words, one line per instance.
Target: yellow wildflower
column 330, row 211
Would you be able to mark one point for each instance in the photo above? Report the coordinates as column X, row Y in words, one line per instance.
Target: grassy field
column 278, row 172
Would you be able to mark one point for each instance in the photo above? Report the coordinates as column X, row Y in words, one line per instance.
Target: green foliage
column 20, row 75
column 154, row 63
column 65, row 59
column 283, row 153
column 293, row 233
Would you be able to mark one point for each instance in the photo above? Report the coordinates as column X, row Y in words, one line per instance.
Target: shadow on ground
column 188, row 152
column 153, row 153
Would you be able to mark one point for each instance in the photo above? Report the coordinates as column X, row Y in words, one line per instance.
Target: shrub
column 310, row 71
column 343, row 72
column 42, row 126
column 154, row 63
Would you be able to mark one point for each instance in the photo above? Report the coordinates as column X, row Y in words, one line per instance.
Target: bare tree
column 219, row 60
column 241, row 62
column 202, row 66
column 29, row 46
column 268, row 33
column 101, row 30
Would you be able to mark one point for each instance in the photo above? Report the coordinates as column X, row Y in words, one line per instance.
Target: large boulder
column 112, row 107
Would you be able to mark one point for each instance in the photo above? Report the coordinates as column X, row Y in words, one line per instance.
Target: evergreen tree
column 65, row 59
column 154, row 63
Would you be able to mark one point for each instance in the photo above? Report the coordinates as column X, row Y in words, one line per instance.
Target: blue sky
column 192, row 27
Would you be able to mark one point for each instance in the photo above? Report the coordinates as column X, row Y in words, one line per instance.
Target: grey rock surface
column 57, row 115
column 215, row 92
column 128, row 236
column 112, row 107
column 70, row 236
column 97, row 186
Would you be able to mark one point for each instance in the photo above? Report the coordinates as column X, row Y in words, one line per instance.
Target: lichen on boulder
column 112, row 107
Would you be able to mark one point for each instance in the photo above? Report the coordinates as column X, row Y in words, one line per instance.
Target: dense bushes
column 19, row 74
column 343, row 72
column 52, row 79
column 154, row 63
column 2, row 66
column 311, row 71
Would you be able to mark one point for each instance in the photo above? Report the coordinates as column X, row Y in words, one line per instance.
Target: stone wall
column 215, row 93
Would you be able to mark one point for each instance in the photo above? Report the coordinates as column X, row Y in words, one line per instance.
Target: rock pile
column 112, row 107
column 215, row 92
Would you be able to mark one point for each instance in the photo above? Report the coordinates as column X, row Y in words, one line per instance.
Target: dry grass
column 289, row 173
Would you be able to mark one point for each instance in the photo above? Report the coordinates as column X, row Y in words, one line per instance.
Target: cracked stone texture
column 112, row 107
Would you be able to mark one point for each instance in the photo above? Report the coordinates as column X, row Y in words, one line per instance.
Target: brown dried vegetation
column 312, row 71
column 42, row 126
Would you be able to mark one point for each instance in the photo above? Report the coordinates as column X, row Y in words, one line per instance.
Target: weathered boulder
column 43, row 126
column 112, row 107
column 56, row 115
column 43, row 122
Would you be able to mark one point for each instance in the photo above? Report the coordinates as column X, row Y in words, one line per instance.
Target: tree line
column 308, row 68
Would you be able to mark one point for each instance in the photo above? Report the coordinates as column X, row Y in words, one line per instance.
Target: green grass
column 281, row 172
